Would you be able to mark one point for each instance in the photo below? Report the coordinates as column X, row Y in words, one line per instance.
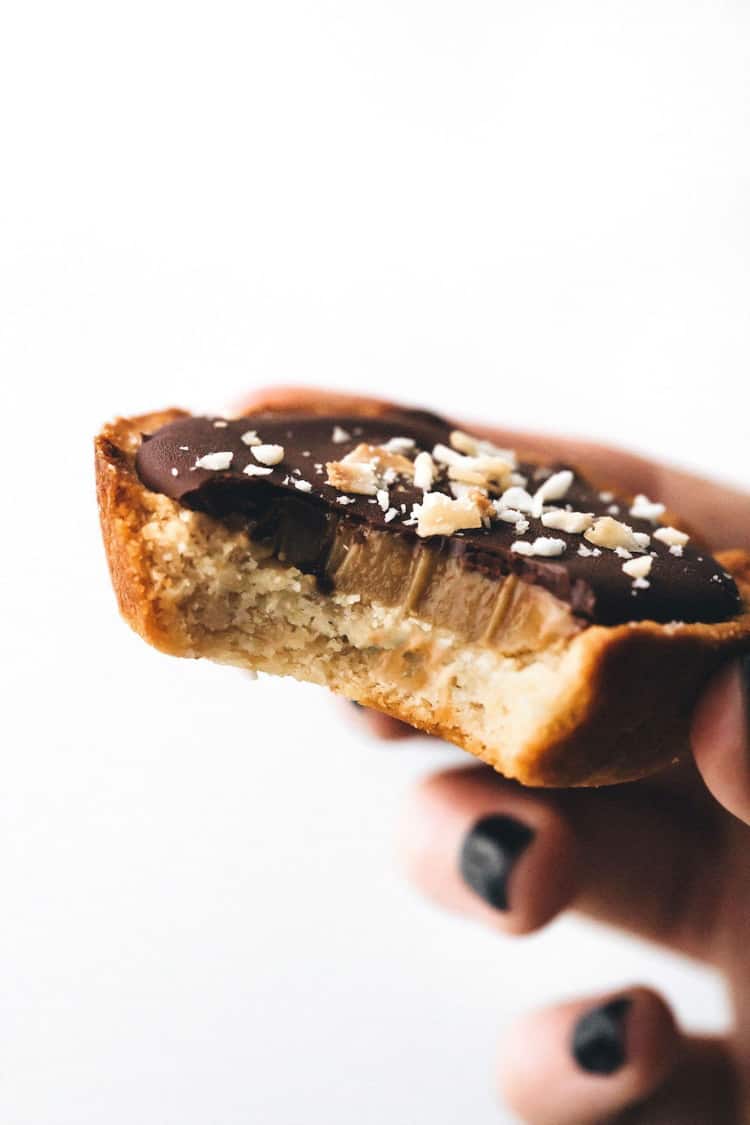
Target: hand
column 667, row 858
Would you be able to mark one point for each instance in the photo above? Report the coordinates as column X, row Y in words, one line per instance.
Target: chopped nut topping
column 543, row 546
column 352, row 477
column 340, row 435
column 464, row 443
column 268, row 454
column 366, row 468
column 644, row 509
column 507, row 515
column 676, row 550
column 518, row 498
column 638, row 568
column 439, row 515
column 486, row 507
column 574, row 522
column 671, row 536
column 391, row 514
column 303, row 485
column 553, row 488
column 345, row 500
column 424, row 471
column 606, row 497
column 479, row 447
column 220, row 424
column 250, row 437
column 383, row 499
column 175, row 472
column 398, row 445
column 380, row 458
column 216, row 461
column 258, row 471
column 610, row 533
column 588, row 552
column 483, row 471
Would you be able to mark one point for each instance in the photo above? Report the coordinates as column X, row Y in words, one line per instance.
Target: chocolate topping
column 277, row 505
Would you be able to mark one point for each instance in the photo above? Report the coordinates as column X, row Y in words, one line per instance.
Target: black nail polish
column 598, row 1042
column 488, row 855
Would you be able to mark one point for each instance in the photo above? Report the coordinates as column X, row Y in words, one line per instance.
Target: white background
column 535, row 213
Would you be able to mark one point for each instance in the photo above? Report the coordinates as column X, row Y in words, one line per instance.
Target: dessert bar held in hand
column 555, row 630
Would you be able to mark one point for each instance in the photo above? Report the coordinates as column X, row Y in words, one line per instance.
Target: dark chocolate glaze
column 689, row 588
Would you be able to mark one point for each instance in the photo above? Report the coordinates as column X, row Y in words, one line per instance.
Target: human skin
column 667, row 858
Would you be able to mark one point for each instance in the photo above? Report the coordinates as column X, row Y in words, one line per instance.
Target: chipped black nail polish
column 598, row 1042
column 488, row 855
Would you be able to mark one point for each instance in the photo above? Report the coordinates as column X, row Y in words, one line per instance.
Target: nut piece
column 476, row 447
column 574, row 522
column 553, row 488
column 486, row 507
column 250, row 437
column 638, row 568
column 340, row 435
column 399, row 445
column 424, row 471
column 380, row 458
column 215, row 461
column 439, row 515
column 543, row 546
column 268, row 454
column 252, row 470
column 517, row 498
column 482, row 471
column 671, row 536
column 610, row 533
column 644, row 509
column 352, row 476
column 507, row 515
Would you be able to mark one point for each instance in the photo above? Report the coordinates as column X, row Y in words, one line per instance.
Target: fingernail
column 598, row 1043
column 488, row 855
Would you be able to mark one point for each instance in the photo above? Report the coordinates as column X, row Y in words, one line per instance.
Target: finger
column 635, row 856
column 718, row 512
column 613, row 1059
column 489, row 850
column 314, row 400
column 721, row 737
